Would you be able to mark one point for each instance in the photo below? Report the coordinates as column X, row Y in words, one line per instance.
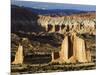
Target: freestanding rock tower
column 72, row 50
column 19, row 56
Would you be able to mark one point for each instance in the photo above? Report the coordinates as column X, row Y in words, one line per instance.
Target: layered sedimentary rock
column 79, row 23
column 64, row 50
column 62, row 55
column 19, row 56
column 79, row 49
column 34, row 26
column 72, row 50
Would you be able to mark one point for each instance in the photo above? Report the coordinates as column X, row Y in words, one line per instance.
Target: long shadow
column 37, row 59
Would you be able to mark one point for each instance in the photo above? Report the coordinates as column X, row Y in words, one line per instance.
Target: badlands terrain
column 52, row 43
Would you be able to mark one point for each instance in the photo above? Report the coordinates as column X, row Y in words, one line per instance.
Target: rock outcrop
column 80, row 23
column 72, row 50
column 39, row 35
column 19, row 57
column 79, row 49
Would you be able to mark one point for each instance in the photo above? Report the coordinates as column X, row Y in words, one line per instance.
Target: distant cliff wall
column 83, row 23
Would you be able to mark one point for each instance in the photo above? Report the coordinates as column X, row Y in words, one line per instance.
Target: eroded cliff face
column 83, row 23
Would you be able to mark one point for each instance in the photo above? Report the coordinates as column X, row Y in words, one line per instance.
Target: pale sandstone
column 75, row 22
column 72, row 50
column 19, row 56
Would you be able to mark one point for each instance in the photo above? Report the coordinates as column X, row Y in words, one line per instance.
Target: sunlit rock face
column 84, row 23
column 79, row 49
column 61, row 56
column 73, row 50
column 19, row 56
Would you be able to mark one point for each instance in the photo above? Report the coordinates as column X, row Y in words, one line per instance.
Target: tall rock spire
column 19, row 55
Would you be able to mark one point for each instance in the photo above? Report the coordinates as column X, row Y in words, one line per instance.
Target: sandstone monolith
column 66, row 54
column 80, row 50
column 19, row 56
column 72, row 50
column 64, row 50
